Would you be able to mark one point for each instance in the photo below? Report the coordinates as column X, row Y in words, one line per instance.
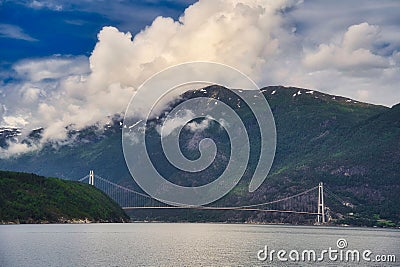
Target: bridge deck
column 222, row 208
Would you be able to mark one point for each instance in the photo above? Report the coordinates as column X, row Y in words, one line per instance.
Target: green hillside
column 29, row 198
column 353, row 147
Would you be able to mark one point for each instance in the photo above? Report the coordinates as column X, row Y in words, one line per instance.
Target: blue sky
column 43, row 28
column 77, row 62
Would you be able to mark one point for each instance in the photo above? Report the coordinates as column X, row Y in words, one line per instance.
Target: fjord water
column 179, row 244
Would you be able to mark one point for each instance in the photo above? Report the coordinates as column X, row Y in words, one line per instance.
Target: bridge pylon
column 91, row 177
column 321, row 205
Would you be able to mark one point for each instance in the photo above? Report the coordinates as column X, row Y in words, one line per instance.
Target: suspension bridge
column 308, row 202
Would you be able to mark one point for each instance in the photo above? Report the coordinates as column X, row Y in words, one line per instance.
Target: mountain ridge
column 351, row 146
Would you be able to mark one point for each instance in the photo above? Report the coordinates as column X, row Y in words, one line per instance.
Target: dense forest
column 29, row 198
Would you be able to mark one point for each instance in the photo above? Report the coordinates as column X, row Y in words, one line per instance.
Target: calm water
column 179, row 244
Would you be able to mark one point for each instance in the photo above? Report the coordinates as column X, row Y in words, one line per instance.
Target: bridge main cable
column 274, row 201
column 122, row 187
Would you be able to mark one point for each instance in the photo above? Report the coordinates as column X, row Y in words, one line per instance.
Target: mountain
column 8, row 134
column 353, row 147
column 29, row 198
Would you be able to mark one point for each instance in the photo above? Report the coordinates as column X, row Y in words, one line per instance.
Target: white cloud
column 56, row 67
column 198, row 126
column 30, row 94
column 52, row 5
column 243, row 34
column 14, row 121
column 170, row 125
column 14, row 32
column 353, row 53
column 17, row 149
column 183, row 119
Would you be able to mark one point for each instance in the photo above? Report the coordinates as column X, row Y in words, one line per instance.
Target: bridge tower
column 91, row 177
column 321, row 206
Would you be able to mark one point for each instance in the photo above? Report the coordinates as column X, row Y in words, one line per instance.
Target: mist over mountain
column 353, row 147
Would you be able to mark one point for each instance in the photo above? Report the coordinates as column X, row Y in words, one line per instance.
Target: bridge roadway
column 220, row 208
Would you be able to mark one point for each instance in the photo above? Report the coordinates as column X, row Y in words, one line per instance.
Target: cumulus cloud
column 353, row 53
column 264, row 39
column 243, row 34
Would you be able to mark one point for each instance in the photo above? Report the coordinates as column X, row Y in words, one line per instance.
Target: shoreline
column 62, row 221
column 86, row 221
